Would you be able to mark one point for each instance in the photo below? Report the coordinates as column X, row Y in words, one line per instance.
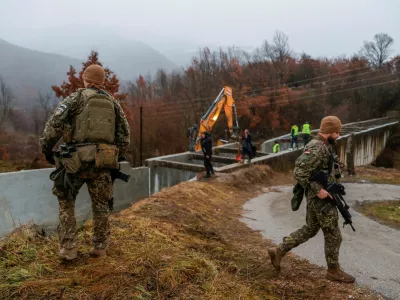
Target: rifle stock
column 117, row 174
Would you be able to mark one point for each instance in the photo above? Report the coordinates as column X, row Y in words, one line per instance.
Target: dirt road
column 371, row 254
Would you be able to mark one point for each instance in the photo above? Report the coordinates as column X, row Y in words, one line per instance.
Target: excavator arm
column 223, row 101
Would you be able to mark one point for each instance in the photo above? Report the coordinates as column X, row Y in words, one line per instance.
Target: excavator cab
column 224, row 101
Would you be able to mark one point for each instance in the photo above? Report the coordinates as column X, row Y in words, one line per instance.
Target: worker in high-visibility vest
column 306, row 131
column 277, row 147
column 294, row 132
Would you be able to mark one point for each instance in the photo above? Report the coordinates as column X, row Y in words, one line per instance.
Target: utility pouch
column 107, row 156
column 87, row 153
column 72, row 164
column 298, row 194
column 58, row 177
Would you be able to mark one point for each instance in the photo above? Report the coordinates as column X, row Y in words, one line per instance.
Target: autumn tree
column 378, row 51
column 272, row 88
column 75, row 81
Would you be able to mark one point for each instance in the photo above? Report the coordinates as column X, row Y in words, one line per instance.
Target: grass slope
column 186, row 242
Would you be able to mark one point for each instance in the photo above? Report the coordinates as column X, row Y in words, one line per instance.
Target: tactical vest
column 306, row 129
column 276, row 148
column 296, row 130
column 96, row 121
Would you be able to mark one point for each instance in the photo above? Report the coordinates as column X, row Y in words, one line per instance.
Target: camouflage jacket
column 66, row 110
column 316, row 156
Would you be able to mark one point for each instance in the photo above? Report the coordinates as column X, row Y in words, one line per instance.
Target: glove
column 50, row 159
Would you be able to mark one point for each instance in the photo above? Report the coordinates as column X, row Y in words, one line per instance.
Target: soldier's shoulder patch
column 60, row 110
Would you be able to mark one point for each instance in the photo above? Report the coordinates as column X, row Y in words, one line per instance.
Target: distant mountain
column 179, row 50
column 36, row 67
column 28, row 71
column 127, row 57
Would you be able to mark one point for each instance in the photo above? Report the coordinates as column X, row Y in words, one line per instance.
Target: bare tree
column 45, row 106
column 281, row 47
column 278, row 52
column 378, row 51
column 6, row 99
column 239, row 54
column 281, row 54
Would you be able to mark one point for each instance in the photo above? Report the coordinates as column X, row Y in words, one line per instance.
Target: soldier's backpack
column 96, row 121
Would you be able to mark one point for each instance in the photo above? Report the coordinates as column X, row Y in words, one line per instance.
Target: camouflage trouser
column 100, row 190
column 315, row 220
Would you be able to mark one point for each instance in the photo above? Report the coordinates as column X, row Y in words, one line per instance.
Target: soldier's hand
column 323, row 194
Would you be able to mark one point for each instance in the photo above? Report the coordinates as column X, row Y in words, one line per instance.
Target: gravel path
column 371, row 254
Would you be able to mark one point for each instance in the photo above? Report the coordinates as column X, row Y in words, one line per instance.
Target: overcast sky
column 318, row 27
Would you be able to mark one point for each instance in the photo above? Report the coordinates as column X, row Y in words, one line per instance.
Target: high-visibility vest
column 276, row 148
column 306, row 129
column 296, row 130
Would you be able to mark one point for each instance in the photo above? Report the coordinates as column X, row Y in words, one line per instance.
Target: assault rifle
column 61, row 178
column 117, row 174
column 337, row 191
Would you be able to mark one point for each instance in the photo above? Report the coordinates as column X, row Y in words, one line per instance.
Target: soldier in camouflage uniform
column 316, row 156
column 95, row 119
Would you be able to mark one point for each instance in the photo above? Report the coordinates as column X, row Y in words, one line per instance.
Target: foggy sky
column 318, row 27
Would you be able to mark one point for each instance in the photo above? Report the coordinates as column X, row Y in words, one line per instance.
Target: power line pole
column 141, row 135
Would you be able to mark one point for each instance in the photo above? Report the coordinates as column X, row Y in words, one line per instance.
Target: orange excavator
column 223, row 101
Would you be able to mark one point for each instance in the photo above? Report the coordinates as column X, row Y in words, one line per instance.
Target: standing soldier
column 206, row 147
column 305, row 132
column 247, row 146
column 277, row 147
column 96, row 136
column 294, row 132
column 317, row 156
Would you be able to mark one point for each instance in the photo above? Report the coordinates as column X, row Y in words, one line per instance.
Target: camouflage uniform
column 316, row 156
column 99, row 181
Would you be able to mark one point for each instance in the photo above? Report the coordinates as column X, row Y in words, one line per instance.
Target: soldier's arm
column 311, row 159
column 55, row 125
column 122, row 132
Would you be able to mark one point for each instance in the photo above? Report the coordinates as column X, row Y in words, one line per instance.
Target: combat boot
column 98, row 253
column 276, row 256
column 68, row 254
column 337, row 274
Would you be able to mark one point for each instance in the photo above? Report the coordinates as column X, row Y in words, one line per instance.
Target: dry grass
column 375, row 175
column 185, row 242
column 384, row 212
